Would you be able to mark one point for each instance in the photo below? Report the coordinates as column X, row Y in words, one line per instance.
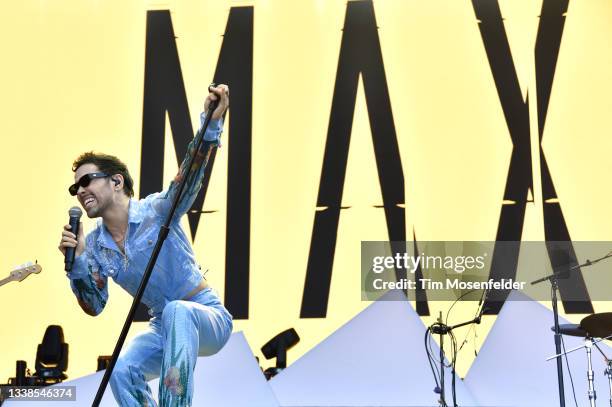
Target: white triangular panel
column 376, row 359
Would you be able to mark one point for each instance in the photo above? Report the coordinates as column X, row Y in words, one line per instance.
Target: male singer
column 188, row 319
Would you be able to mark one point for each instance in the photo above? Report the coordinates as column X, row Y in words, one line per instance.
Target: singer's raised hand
column 221, row 93
column 70, row 240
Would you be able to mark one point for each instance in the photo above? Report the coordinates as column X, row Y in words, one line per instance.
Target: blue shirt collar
column 135, row 215
column 135, row 211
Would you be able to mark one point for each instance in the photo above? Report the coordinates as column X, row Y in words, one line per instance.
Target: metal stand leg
column 608, row 372
column 588, row 344
column 442, row 395
column 555, row 287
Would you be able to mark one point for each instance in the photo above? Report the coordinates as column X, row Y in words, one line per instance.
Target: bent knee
column 174, row 308
column 126, row 371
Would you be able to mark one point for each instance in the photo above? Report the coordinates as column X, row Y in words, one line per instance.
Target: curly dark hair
column 108, row 164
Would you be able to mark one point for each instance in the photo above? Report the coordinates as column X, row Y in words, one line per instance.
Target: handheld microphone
column 75, row 217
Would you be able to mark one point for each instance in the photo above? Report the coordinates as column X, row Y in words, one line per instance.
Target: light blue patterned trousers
column 169, row 350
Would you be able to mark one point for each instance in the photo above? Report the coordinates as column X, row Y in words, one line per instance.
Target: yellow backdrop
column 72, row 77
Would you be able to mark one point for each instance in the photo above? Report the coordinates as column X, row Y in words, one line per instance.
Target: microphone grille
column 75, row 211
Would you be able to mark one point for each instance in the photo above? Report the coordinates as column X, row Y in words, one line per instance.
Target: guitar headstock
column 21, row 272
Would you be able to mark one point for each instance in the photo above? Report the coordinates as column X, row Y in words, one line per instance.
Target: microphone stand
column 554, row 281
column 442, row 329
column 163, row 233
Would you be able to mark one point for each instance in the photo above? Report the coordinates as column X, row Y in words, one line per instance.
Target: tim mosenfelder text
column 448, row 284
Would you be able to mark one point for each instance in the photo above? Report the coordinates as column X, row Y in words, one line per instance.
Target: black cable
column 473, row 328
column 433, row 361
column 453, row 364
column 429, row 358
column 465, row 338
column 452, row 361
column 454, row 349
column 475, row 315
column 434, row 357
column 457, row 300
column 475, row 340
column 569, row 371
column 455, row 373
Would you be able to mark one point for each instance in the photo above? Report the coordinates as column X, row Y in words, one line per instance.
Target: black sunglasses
column 85, row 180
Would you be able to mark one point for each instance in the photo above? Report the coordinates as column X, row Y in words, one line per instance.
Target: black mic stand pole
column 163, row 233
column 442, row 329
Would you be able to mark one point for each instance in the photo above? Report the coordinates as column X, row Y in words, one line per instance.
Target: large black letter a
column 360, row 53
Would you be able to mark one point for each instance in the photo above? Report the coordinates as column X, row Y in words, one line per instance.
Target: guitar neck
column 5, row 280
column 19, row 274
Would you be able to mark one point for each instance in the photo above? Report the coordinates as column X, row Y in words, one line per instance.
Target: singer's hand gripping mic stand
column 163, row 233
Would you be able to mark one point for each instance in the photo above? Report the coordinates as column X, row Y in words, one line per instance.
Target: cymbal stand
column 553, row 278
column 588, row 344
column 608, row 371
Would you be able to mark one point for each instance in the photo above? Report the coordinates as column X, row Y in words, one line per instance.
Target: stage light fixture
column 277, row 347
column 52, row 356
